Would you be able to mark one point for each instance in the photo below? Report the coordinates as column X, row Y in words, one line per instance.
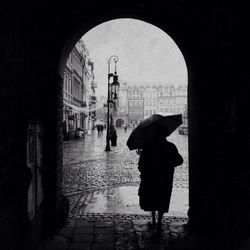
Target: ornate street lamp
column 115, row 87
column 112, row 95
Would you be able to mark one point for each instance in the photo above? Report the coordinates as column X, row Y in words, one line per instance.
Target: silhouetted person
column 98, row 129
column 113, row 137
column 125, row 128
column 156, row 164
column 101, row 130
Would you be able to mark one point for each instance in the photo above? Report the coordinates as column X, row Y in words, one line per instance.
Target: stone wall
column 36, row 39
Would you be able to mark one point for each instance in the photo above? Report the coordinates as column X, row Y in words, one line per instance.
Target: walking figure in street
column 125, row 128
column 113, row 136
column 157, row 161
column 101, row 130
column 98, row 129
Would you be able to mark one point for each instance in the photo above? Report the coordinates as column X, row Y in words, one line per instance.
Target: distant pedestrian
column 101, row 129
column 156, row 165
column 125, row 128
column 113, row 136
column 98, row 130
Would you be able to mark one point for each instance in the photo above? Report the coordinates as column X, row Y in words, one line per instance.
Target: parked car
column 183, row 130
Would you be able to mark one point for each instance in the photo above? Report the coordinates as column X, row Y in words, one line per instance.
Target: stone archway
column 120, row 121
column 37, row 45
column 78, row 33
column 180, row 24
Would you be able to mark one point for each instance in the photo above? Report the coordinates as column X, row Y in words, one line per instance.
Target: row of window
column 67, row 86
column 77, row 91
column 135, row 112
column 135, row 94
column 153, row 111
column 181, row 101
column 167, row 110
column 161, row 94
column 161, row 97
column 150, row 95
column 154, row 103
column 166, row 93
column 76, row 64
column 72, row 89
column 172, row 110
column 150, row 103
column 166, row 102
column 150, row 112
column 135, row 104
column 141, row 95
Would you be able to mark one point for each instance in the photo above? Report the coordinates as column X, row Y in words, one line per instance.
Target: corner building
column 78, row 93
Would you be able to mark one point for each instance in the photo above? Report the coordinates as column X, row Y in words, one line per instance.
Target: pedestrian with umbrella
column 158, row 158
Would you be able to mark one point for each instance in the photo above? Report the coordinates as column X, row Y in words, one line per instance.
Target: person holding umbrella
column 158, row 158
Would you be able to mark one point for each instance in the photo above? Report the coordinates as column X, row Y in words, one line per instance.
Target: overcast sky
column 147, row 55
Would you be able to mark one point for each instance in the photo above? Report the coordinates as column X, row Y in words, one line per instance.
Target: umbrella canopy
column 145, row 131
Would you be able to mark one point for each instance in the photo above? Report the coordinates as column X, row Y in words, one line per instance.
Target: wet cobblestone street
column 121, row 232
column 104, row 211
column 96, row 181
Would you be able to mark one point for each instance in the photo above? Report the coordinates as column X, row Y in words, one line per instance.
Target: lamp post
column 110, row 96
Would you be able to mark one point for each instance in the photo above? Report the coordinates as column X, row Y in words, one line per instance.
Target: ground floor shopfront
column 77, row 123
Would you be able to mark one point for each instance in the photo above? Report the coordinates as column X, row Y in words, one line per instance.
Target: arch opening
column 153, row 92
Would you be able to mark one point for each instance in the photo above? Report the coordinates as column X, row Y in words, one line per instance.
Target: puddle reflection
column 124, row 199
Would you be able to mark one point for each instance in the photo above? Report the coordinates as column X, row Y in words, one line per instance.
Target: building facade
column 150, row 100
column 164, row 100
column 181, row 99
column 91, row 97
column 135, row 105
column 78, row 93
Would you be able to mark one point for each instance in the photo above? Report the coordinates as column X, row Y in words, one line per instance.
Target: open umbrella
column 145, row 131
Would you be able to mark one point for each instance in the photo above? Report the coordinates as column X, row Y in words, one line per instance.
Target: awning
column 80, row 109
column 74, row 107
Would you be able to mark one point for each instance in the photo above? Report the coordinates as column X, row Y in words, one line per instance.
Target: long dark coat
column 156, row 165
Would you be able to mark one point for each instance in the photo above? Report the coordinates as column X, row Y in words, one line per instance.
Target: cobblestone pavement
column 120, row 232
column 99, row 181
column 104, row 212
